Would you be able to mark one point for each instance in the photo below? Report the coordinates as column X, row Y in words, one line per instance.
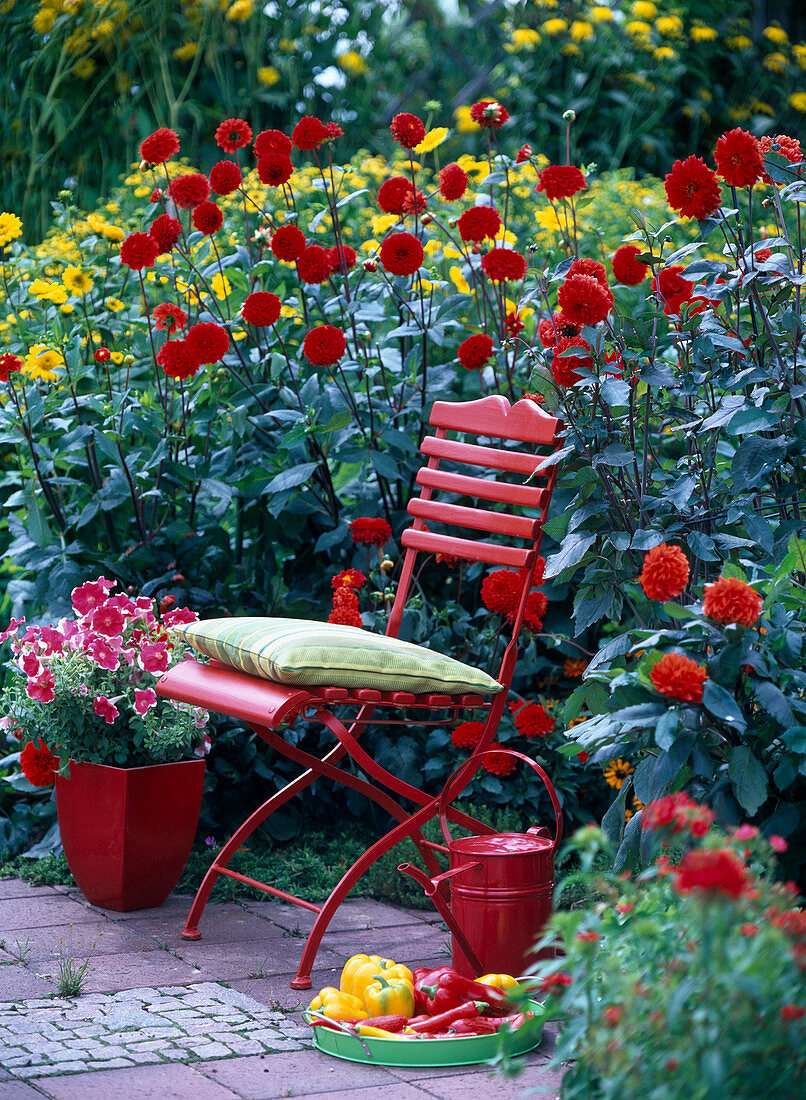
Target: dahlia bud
column 128, row 360
column 144, row 166
column 65, row 196
column 102, row 355
column 166, row 603
column 370, row 265
column 426, row 219
column 493, row 111
column 432, row 105
column 569, row 115
column 766, row 203
column 452, row 223
column 387, row 565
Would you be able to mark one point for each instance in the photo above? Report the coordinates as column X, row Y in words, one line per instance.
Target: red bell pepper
column 452, row 989
column 445, row 1019
column 428, row 977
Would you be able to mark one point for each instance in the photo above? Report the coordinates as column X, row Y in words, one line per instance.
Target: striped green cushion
column 298, row 651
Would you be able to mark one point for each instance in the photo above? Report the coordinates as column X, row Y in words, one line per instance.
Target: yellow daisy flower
column 10, row 228
column 42, row 362
column 617, row 772
column 76, row 280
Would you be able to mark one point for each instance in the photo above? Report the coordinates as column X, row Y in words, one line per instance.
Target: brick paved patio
column 164, row 1019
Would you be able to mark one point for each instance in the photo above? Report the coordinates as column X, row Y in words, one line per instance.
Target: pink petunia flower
column 41, row 688
column 30, row 665
column 11, row 629
column 144, row 700
column 107, row 620
column 154, row 657
column 104, row 652
column 91, row 594
column 180, row 615
column 105, row 709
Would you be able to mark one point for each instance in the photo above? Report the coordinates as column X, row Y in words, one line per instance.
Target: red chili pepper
column 480, row 1025
column 386, row 1023
column 445, row 1019
column 453, row 989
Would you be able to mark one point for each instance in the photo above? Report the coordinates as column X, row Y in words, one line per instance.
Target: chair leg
column 346, row 883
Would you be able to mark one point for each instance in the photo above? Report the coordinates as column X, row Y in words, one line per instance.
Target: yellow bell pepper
column 390, row 998
column 360, row 970
column 500, row 981
column 336, row 1005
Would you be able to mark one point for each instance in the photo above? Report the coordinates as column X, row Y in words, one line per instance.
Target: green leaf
column 571, row 552
column 722, row 705
column 613, row 820
column 288, row 479
column 774, row 702
column 748, row 778
column 755, row 459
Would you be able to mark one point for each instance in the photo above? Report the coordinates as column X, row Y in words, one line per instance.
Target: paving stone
column 353, row 914
column 158, row 1082
column 19, row 984
column 224, row 923
column 295, row 1074
column 276, row 992
column 93, row 937
column 408, row 944
column 18, row 888
column 41, row 911
column 175, row 905
column 117, row 972
column 18, row 1090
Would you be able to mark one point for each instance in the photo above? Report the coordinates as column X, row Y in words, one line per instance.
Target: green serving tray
column 458, row 1050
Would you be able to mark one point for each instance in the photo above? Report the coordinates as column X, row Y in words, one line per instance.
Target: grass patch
column 50, row 870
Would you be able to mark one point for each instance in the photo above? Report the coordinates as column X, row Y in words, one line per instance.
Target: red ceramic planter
column 127, row 832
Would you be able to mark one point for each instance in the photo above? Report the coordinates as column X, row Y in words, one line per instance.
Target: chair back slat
column 496, row 418
column 490, row 458
column 491, row 552
column 478, row 519
column 528, row 496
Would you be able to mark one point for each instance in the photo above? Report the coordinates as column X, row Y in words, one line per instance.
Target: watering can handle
column 443, row 799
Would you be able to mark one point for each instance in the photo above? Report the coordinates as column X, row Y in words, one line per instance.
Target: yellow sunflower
column 616, row 772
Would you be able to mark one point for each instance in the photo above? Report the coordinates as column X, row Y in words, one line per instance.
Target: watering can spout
column 431, row 888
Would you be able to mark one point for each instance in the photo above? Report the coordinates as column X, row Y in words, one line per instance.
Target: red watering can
column 501, row 888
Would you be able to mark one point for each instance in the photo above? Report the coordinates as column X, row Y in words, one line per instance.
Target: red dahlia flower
column 498, row 763
column 712, row 872
column 452, row 182
column 786, row 146
column 38, row 764
column 564, row 368
column 165, row 231
column 343, row 258
column 678, row 813
column 370, row 531
column 345, row 608
column 102, row 355
column 407, row 130
column 587, row 266
column 324, row 345
column 8, row 365
column 308, row 133
column 402, row 254
column 232, row 134
column 288, row 243
column 159, row 146
column 738, row 158
column 189, row 190
column 560, row 181
column 333, row 131
column 524, row 153
column 665, row 573
column 488, row 114
column 274, row 169
column 583, row 300
column 178, row 359
column 169, row 317
column 314, row 264
column 536, row 607
column 138, row 250
column 474, row 352
column 533, row 721
column 272, row 141
column 554, row 328
column 397, row 196
column 678, row 677
column 467, row 735
column 352, row 578
column 261, row 309
column 692, row 188
column 209, row 341
column 627, row 268
column 479, row 222
column 225, row 177
column 672, row 289
column 207, row 218
column 731, row 600
column 501, row 590
column 503, row 265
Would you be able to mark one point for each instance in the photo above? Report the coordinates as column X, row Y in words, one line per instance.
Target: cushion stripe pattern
column 307, row 653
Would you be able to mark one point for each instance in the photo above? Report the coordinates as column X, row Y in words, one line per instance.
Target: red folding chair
column 496, row 471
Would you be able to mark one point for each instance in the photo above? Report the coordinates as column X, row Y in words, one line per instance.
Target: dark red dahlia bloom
column 564, row 367
column 38, row 764
column 189, row 190
column 178, row 359
column 370, row 531
column 344, row 262
column 586, row 266
column 498, row 762
column 407, row 130
column 501, row 590
column 665, row 572
column 474, row 352
column 308, row 133
column 672, row 289
column 333, row 131
column 533, row 720
column 169, row 317
column 560, row 181
column 314, row 264
column 272, row 141
column 554, row 328
column 479, row 222
column 488, row 114
column 627, row 268
column 8, row 365
column 467, row 735
column 731, row 600
column 678, row 677
column 397, row 196
column 583, row 300
column 159, row 146
column 275, row 169
column 261, row 308
column 102, row 355
column 324, row 345
column 225, row 177
column 209, row 341
column 138, row 250
column 786, row 146
column 288, row 243
column 232, row 134
column 402, row 254
column 692, row 188
column 503, row 265
column 524, row 153
column 452, row 182
column 165, row 231
column 207, row 218
column 738, row 158
column 536, row 607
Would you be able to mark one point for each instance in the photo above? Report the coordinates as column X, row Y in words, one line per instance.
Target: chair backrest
column 485, row 463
